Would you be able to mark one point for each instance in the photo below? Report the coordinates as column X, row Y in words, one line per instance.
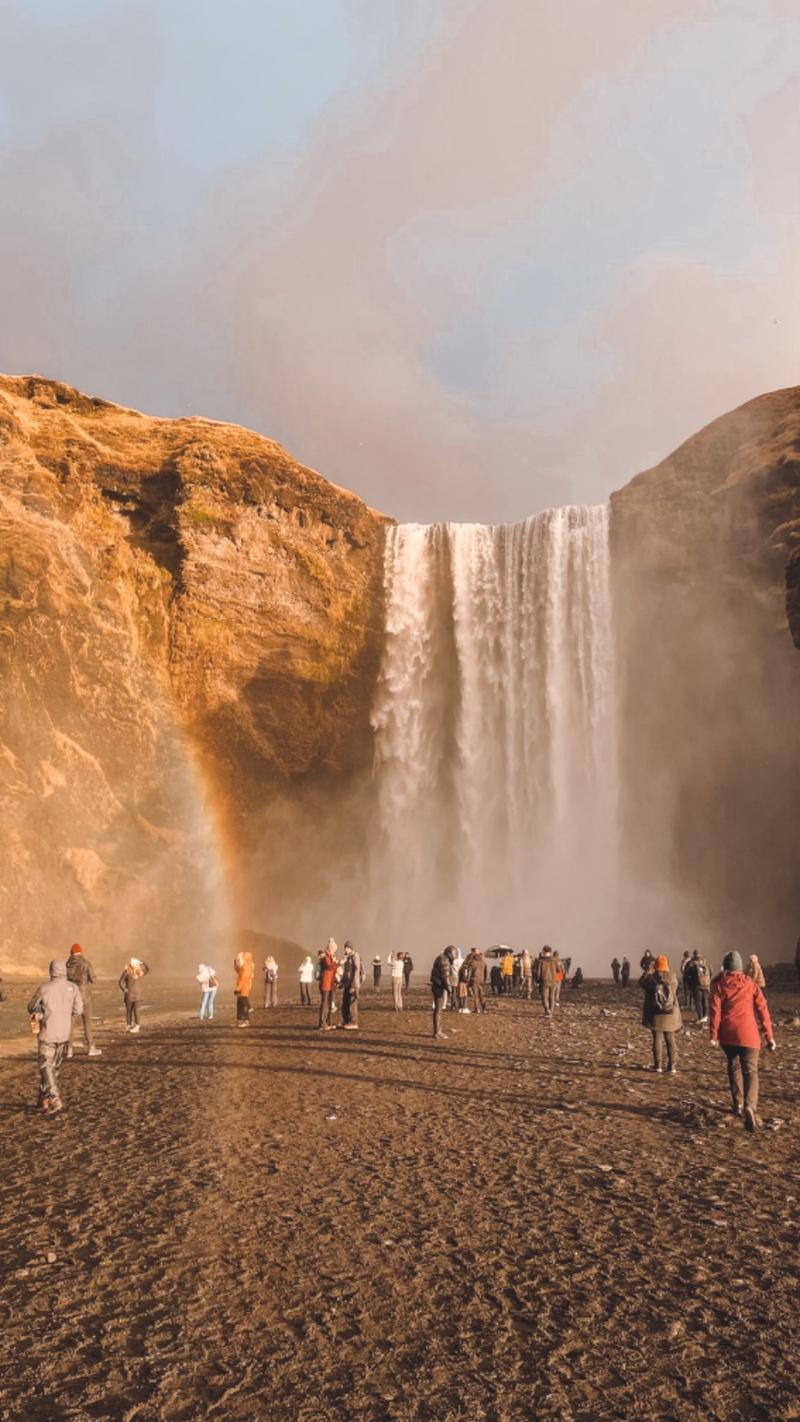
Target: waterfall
column 494, row 720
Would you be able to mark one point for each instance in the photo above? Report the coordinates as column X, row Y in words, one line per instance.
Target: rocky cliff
column 706, row 558
column 189, row 622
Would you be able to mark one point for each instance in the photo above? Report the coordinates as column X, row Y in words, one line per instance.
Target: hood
column 58, row 968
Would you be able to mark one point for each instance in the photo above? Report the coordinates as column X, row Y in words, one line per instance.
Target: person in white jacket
column 209, row 982
column 396, row 962
column 306, row 975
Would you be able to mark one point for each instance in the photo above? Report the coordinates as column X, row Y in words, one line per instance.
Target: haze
column 468, row 259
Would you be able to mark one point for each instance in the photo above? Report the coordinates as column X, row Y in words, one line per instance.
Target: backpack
column 663, row 997
column 703, row 977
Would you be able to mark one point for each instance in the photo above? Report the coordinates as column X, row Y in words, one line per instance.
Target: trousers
column 661, row 1039
column 51, row 1055
column 743, row 1075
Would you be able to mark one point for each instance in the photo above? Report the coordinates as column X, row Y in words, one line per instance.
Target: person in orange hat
column 661, row 1012
column 82, row 974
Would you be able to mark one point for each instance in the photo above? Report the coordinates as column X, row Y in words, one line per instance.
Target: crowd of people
column 731, row 1004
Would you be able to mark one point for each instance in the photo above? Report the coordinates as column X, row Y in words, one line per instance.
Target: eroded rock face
column 706, row 562
column 189, row 620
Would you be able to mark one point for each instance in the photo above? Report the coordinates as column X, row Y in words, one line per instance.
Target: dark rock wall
column 704, row 547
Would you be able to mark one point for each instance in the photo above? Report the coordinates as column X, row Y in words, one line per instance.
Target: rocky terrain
column 519, row 1222
column 706, row 559
column 189, row 621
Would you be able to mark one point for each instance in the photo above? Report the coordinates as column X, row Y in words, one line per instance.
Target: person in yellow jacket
column 245, row 972
column 507, row 966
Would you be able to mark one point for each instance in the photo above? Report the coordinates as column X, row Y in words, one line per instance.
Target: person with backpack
column 738, row 1015
column 698, row 975
column 82, row 974
column 51, row 1010
column 440, row 986
column 661, row 1012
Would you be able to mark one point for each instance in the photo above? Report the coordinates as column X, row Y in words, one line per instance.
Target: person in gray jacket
column 82, row 974
column 53, row 1007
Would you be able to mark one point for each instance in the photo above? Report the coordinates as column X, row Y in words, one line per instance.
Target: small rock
column 23, row 1273
column 51, row 1257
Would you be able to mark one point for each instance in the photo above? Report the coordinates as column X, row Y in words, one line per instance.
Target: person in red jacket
column 737, row 1017
column 327, row 984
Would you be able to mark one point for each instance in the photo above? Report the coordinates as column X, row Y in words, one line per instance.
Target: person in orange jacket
column 737, row 1017
column 327, row 985
column 245, row 972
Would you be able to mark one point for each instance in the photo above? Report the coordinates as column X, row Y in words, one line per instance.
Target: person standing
column 130, row 985
column 682, row 979
column 377, row 968
column 209, row 983
column 476, row 979
column 661, row 1012
column 398, row 977
column 625, row 973
column 615, row 969
column 440, row 986
column 699, row 976
column 577, row 978
column 526, row 968
column 507, row 966
column 646, row 961
column 755, row 971
column 546, row 979
column 270, row 982
column 351, row 986
column 245, row 970
column 737, row 1016
column 306, row 975
column 561, row 973
column 408, row 968
column 52, row 1009
column 327, row 985
column 82, row 974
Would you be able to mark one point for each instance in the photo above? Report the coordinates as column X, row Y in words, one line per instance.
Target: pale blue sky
column 466, row 258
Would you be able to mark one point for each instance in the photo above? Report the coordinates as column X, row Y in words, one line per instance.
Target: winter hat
column 662, row 964
column 732, row 963
column 76, row 948
column 136, row 962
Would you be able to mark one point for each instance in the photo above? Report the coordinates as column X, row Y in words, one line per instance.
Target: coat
column 651, row 1017
column 130, row 983
column 738, row 1012
column 57, row 1002
column 327, row 972
column 546, row 969
column 440, row 975
column 245, row 972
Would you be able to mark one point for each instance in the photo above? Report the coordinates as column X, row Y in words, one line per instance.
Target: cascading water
column 495, row 736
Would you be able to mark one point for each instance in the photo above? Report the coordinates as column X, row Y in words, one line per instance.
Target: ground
column 517, row 1224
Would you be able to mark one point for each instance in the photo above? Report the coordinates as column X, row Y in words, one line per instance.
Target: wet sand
column 517, row 1223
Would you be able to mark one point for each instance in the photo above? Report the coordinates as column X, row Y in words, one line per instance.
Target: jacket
column 351, row 974
column 327, row 972
column 477, row 971
column 440, row 975
column 81, row 973
column 508, row 965
column 651, row 1017
column 756, row 972
column 57, row 1001
column 738, row 1012
column 130, row 983
column 245, row 972
column 546, row 970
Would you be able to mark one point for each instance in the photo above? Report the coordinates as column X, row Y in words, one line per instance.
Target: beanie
column 732, row 963
column 76, row 948
column 662, row 964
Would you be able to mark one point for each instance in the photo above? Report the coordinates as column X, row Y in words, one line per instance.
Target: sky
column 469, row 258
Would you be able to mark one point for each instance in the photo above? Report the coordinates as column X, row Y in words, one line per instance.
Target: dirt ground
column 517, row 1224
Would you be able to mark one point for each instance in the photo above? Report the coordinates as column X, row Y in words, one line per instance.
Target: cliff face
column 189, row 621
column 706, row 558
